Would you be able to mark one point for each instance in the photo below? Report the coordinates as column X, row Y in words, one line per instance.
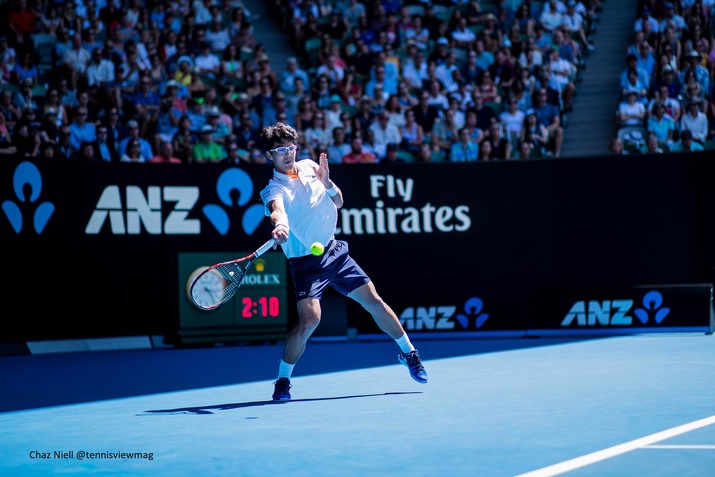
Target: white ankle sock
column 404, row 343
column 285, row 370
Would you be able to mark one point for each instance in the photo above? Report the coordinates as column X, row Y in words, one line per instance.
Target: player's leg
column 308, row 320
column 388, row 322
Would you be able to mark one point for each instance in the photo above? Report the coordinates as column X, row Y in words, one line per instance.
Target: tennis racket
column 219, row 282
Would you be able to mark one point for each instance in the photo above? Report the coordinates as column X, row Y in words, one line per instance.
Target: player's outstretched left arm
column 330, row 188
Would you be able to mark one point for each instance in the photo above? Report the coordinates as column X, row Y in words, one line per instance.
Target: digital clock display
column 263, row 306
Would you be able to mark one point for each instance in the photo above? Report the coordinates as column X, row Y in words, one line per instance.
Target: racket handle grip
column 265, row 247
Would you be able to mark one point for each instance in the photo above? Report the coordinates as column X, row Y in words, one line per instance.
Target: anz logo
column 144, row 210
column 617, row 312
column 440, row 317
column 27, row 175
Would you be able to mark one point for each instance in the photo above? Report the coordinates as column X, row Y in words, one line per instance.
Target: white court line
column 694, row 446
column 604, row 454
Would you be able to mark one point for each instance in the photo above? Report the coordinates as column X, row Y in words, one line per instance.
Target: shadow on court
column 30, row 382
column 240, row 405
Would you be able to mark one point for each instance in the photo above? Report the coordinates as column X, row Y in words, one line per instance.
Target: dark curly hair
column 278, row 133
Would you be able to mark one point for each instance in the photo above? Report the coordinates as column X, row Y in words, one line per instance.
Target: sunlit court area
column 610, row 406
column 357, row 238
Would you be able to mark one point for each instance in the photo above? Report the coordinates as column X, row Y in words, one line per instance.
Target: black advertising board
column 93, row 247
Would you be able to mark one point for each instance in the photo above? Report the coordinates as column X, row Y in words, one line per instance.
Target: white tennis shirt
column 312, row 215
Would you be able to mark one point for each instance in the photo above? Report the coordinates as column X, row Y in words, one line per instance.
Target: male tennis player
column 302, row 203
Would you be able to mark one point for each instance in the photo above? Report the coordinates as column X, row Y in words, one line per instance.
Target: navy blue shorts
column 311, row 274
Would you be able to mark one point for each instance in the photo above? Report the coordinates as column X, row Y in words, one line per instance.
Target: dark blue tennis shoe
column 414, row 364
column 282, row 390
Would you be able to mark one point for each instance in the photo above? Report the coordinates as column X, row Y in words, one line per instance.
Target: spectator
column 412, row 134
column 512, row 120
column 701, row 73
column 87, row 153
column 562, row 74
column 145, row 148
column 535, row 134
column 686, row 143
column 417, row 34
column 318, row 133
column 291, row 72
column 615, row 147
column 332, row 114
column 183, row 141
column 631, row 112
column 425, row 114
column 550, row 117
column 487, row 89
column 485, row 114
column 695, row 121
column 24, row 98
column 632, row 64
column 166, row 155
column 652, row 145
column 661, row 125
column 219, row 130
column 672, row 105
column 384, row 133
column 667, row 79
column 338, row 147
column 9, row 111
column 147, row 103
column 502, row 70
column 206, row 150
column 464, row 150
column 75, row 60
column 235, row 156
column 444, row 133
column 575, row 24
column 133, row 152
column 391, row 156
column 81, row 130
column 63, row 149
column 266, row 71
column 357, row 155
column 24, row 69
column 104, row 150
column 231, row 69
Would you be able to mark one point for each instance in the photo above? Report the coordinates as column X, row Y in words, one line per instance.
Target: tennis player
column 302, row 203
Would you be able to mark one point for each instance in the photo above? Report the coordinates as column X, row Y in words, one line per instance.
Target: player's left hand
column 324, row 170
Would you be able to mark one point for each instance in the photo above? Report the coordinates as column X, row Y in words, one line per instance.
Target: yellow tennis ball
column 317, row 249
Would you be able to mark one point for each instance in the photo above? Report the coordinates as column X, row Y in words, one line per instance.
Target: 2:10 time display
column 262, row 306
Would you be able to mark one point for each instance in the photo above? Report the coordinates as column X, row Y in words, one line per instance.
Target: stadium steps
column 279, row 45
column 591, row 124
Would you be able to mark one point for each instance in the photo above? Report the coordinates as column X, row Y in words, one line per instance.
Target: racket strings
column 217, row 285
column 232, row 275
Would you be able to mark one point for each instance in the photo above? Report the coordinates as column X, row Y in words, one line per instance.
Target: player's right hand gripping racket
column 219, row 282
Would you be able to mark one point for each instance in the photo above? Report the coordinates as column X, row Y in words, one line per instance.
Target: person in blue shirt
column 133, row 135
column 550, row 116
column 146, row 102
column 464, row 150
column 81, row 131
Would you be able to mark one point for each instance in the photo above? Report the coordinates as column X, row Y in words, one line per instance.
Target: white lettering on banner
column 432, row 318
column 145, row 210
column 142, row 211
column 390, row 183
column 267, row 279
column 604, row 313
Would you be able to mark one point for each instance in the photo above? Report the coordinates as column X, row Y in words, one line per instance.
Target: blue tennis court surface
column 619, row 406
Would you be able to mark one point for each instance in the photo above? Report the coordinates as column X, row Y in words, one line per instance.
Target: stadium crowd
column 177, row 81
column 666, row 83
